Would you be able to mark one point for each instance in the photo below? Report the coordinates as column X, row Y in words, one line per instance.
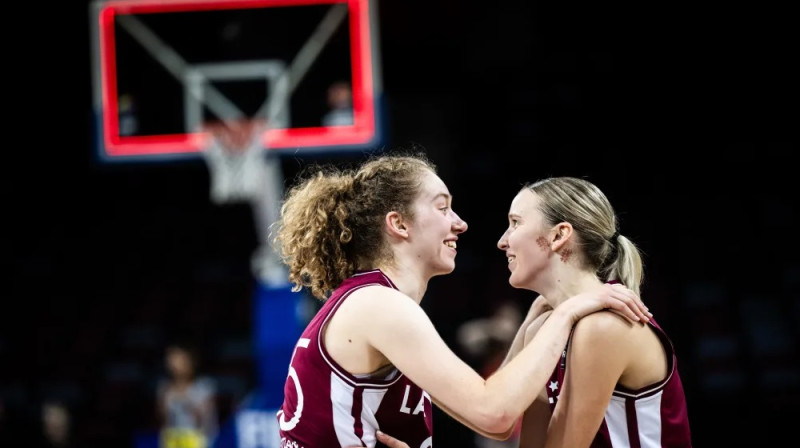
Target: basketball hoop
column 234, row 155
column 241, row 172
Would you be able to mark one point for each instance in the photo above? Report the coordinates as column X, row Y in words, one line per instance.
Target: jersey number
column 288, row 426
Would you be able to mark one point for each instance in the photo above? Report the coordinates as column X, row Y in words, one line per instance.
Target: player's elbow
column 497, row 422
column 502, row 435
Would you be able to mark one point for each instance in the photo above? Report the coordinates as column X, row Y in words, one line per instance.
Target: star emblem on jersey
column 553, row 385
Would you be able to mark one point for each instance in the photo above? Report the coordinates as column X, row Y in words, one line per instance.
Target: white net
column 235, row 158
column 242, row 171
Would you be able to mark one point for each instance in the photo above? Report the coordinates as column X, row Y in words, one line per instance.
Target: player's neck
column 409, row 284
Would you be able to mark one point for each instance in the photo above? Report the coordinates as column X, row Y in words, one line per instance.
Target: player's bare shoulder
column 378, row 302
column 608, row 323
column 377, row 295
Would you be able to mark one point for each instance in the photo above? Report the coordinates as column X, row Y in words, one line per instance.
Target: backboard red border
column 364, row 130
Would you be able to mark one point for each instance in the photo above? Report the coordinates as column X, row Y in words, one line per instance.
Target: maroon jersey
column 326, row 406
column 654, row 416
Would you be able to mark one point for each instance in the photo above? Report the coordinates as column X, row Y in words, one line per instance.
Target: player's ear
column 395, row 225
column 560, row 235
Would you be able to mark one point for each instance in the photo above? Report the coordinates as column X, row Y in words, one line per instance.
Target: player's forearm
column 536, row 310
column 517, row 384
column 516, row 344
column 497, row 436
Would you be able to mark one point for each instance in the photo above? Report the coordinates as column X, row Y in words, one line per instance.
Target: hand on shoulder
column 616, row 297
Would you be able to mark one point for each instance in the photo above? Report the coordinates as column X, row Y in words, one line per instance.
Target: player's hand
column 390, row 441
column 615, row 297
column 387, row 440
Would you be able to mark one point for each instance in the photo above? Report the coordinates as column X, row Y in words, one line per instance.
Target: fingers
column 629, row 304
column 390, row 441
column 638, row 306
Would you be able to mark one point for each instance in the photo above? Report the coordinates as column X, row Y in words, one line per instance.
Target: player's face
column 436, row 226
column 524, row 241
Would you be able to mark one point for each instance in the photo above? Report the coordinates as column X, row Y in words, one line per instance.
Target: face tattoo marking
column 542, row 243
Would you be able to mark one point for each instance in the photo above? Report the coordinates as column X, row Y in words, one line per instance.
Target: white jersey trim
column 335, row 367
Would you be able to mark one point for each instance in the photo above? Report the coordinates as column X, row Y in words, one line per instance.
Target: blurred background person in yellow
column 186, row 401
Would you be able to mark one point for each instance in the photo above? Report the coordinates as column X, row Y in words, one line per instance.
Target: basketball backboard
column 161, row 69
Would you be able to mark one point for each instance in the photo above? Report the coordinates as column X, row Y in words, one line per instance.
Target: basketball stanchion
column 243, row 171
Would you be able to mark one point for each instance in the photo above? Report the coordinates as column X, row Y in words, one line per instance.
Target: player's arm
column 538, row 307
column 497, row 436
column 533, row 432
column 533, row 428
column 536, row 315
column 596, row 359
column 399, row 329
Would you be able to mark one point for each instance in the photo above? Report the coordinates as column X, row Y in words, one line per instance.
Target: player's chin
column 515, row 281
column 446, row 267
column 522, row 284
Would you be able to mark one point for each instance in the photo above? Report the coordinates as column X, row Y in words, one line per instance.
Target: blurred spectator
column 186, row 401
column 55, row 428
column 340, row 102
column 56, row 423
column 128, row 119
column 487, row 339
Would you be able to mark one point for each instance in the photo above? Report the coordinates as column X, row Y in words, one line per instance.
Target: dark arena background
column 686, row 115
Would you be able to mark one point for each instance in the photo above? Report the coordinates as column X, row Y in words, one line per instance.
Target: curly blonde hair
column 331, row 221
